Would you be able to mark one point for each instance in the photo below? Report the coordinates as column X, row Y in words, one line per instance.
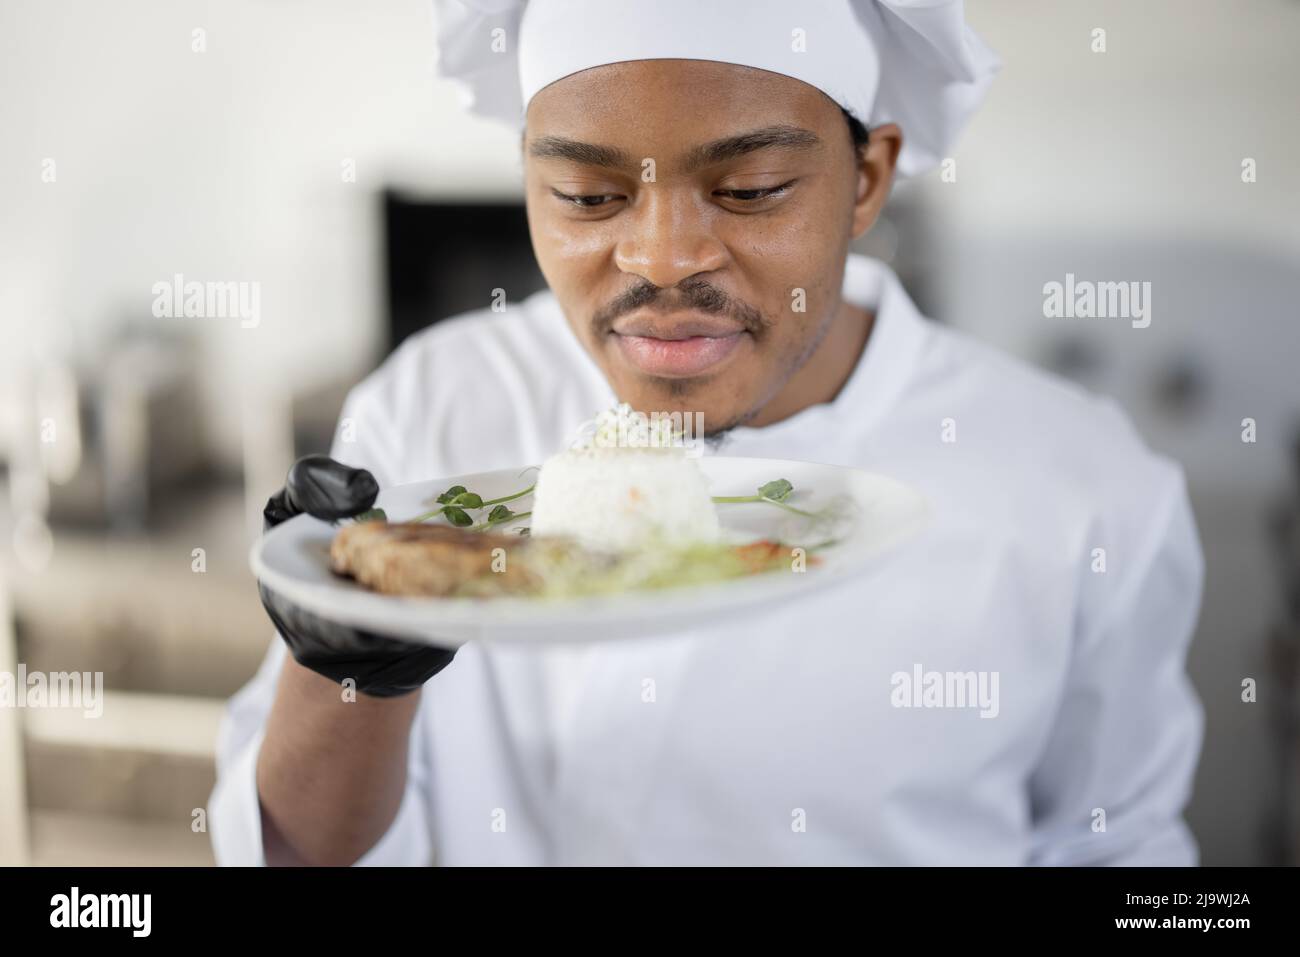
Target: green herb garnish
column 450, row 494
column 457, row 499
column 457, row 516
column 773, row 493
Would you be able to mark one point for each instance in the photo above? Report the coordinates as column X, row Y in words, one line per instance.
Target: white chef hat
column 911, row 62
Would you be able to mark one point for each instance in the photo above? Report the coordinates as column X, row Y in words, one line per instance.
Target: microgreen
column 499, row 516
column 458, row 501
column 458, row 517
column 773, row 493
column 454, row 502
column 777, row 490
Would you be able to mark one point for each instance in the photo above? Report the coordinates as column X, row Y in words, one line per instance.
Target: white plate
column 877, row 513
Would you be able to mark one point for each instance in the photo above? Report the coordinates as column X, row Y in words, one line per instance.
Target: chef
column 1007, row 688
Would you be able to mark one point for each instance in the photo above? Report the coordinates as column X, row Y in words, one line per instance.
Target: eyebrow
column 790, row 138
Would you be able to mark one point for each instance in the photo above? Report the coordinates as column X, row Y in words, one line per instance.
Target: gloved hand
column 381, row 666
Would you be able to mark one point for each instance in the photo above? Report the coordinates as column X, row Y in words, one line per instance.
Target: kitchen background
column 309, row 147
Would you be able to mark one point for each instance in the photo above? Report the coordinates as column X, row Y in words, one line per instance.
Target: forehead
column 674, row 102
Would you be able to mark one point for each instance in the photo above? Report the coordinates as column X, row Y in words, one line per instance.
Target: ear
column 875, row 174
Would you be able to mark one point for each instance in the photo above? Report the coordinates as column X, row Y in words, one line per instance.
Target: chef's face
column 692, row 219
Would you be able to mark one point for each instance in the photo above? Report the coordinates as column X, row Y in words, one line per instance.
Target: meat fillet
column 414, row 558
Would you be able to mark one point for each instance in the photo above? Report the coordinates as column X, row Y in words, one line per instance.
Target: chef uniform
column 1061, row 565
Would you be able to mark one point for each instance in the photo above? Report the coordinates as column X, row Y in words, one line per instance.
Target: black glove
column 380, row 665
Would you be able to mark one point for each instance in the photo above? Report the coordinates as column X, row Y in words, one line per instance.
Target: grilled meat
column 412, row 558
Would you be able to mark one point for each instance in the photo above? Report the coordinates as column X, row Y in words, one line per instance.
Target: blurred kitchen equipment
column 137, row 420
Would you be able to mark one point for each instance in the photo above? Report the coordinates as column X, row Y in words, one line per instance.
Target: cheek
column 571, row 261
column 571, row 248
column 792, row 335
column 788, row 261
column 558, row 241
column 797, row 295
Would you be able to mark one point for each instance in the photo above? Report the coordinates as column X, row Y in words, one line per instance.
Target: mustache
column 696, row 294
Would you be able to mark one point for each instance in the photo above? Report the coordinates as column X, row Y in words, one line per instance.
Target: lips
column 681, row 326
column 677, row 347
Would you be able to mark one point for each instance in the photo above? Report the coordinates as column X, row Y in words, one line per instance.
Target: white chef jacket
column 1061, row 555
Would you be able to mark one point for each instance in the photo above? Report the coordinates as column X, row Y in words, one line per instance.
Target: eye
column 586, row 202
column 755, row 195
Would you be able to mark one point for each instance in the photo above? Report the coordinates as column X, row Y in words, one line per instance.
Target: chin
column 712, row 400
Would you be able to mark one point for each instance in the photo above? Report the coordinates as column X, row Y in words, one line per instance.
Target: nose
column 670, row 238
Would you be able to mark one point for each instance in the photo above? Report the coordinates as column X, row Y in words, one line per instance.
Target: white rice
column 624, row 498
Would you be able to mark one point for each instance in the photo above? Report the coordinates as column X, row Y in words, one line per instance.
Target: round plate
column 874, row 513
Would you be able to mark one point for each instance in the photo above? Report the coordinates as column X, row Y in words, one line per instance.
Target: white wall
column 222, row 165
column 1146, row 138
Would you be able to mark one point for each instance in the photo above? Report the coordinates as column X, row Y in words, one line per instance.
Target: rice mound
column 621, row 498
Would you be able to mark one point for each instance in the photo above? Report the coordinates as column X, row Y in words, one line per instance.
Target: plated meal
column 605, row 540
column 606, row 517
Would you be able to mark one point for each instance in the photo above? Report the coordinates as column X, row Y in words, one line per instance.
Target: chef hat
column 911, row 62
